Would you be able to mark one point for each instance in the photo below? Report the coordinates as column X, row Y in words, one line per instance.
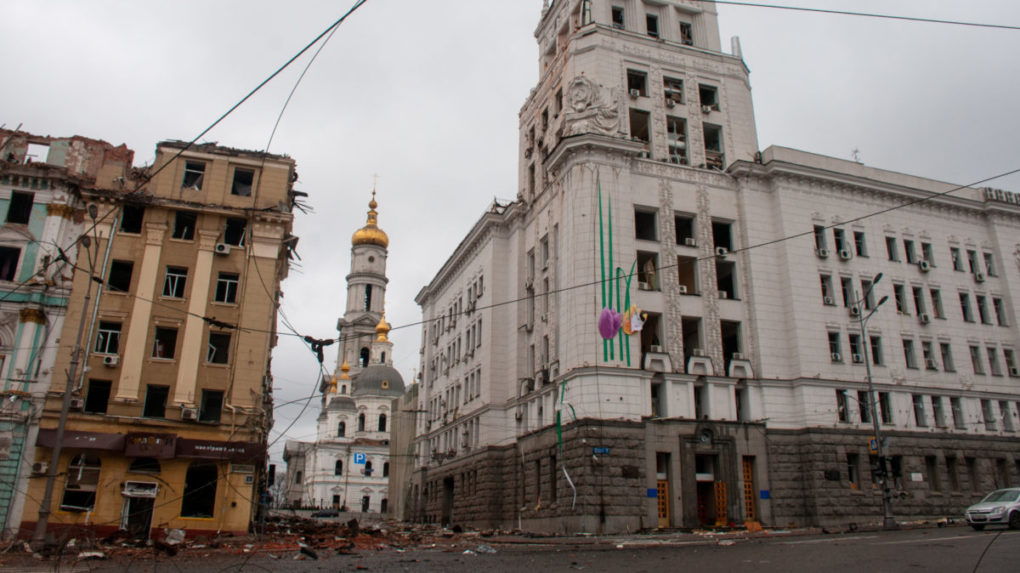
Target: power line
column 865, row 15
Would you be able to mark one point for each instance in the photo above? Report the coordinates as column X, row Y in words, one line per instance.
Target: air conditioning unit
column 189, row 413
column 828, row 301
column 855, row 311
column 111, row 360
column 77, row 403
column 635, row 93
column 706, row 109
column 670, row 103
column 739, row 356
column 699, row 353
column 683, row 289
column 642, row 285
column 691, row 242
column 221, row 249
column 40, row 468
column 845, row 254
column 822, row 253
column 1014, row 371
column 655, row 348
column 924, row 265
column 979, row 277
column 724, row 294
column 930, row 364
column 721, row 251
column 924, row 317
column 857, row 358
column 836, row 357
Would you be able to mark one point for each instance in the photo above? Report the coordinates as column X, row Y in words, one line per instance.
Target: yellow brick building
column 171, row 398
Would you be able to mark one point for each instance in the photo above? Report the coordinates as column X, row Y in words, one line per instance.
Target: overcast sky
column 426, row 95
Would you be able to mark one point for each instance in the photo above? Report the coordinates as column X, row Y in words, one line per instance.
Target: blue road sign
column 359, row 458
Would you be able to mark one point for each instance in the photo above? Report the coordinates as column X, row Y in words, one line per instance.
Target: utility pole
column 888, row 521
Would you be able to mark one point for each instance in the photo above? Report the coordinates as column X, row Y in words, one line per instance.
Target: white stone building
column 348, row 465
column 641, row 185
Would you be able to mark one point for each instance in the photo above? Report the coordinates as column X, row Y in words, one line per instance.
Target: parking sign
column 359, row 458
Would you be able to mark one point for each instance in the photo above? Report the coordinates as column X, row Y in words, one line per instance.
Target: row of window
column 1000, row 475
column 920, row 253
column 185, row 223
column 928, row 354
column 338, row 468
column 175, row 280
column 341, row 429
column 194, row 176
column 164, row 342
column 685, row 28
column 927, row 410
column 455, row 394
column 97, row 401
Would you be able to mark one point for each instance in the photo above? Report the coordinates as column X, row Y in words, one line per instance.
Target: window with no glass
column 686, row 34
column 9, row 257
column 184, row 225
column 652, row 25
column 714, row 158
column 637, row 81
column 674, row 91
column 20, row 209
column 194, row 173
column 644, row 224
column 708, row 96
column 82, row 483
column 219, row 348
column 98, row 396
column 120, row 276
column 234, row 232
column 199, row 499
column 639, row 125
column 618, row 17
column 676, row 132
column 226, row 288
column 212, row 406
column 244, row 179
column 155, row 401
column 108, row 337
column 131, row 218
column 164, row 342
column 176, row 280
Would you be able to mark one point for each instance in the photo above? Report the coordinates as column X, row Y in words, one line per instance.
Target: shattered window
column 199, row 498
column 243, row 181
column 226, row 288
column 184, row 225
column 212, row 406
column 234, row 233
column 82, row 482
column 176, row 280
column 219, row 347
column 131, row 217
column 9, row 257
column 20, row 209
column 164, row 342
column 194, row 172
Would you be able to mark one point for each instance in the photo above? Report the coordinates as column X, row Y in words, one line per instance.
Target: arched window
column 343, row 389
column 341, row 429
column 338, row 469
column 386, row 469
column 364, row 357
column 383, row 505
column 145, row 466
column 82, row 483
column 368, row 297
column 382, row 357
column 199, row 491
column 382, row 422
column 361, row 422
column 368, row 468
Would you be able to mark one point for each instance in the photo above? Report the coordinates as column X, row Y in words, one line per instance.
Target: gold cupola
column 382, row 330
column 345, row 368
column 371, row 234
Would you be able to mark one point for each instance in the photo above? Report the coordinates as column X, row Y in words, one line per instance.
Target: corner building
column 168, row 420
column 642, row 188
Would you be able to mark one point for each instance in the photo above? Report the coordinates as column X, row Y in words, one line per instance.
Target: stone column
column 141, row 313
column 191, row 355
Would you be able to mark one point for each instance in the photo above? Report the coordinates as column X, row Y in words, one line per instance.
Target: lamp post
column 888, row 521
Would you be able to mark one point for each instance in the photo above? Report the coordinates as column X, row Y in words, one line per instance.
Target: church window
column 338, row 468
column 341, row 429
column 385, row 471
column 368, row 468
column 9, row 262
column 361, row 422
column 364, row 357
column 382, row 422
column 368, row 297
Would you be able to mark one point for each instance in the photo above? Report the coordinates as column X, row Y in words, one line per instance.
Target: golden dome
column 332, row 385
column 345, row 368
column 382, row 329
column 371, row 234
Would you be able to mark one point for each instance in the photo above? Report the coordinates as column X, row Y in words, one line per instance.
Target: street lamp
column 888, row 521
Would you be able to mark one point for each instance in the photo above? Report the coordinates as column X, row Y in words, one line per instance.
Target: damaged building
column 172, row 314
column 683, row 345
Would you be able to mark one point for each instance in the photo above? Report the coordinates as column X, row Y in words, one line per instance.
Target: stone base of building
column 605, row 477
column 67, row 531
column 823, row 477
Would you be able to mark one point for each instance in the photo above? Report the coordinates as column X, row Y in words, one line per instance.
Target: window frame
column 213, row 349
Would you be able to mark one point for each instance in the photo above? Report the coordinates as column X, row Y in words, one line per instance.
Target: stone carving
column 594, row 109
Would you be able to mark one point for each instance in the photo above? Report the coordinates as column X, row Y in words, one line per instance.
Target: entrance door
column 447, row 515
column 663, row 495
column 139, row 516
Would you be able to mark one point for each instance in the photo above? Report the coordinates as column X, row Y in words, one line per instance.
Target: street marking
column 829, row 540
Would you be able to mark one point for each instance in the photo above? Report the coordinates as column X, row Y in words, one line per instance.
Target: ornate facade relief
column 592, row 108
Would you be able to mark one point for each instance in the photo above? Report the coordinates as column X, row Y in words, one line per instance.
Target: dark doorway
column 139, row 519
column 447, row 515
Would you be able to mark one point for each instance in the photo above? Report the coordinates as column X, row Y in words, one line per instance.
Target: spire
column 332, row 385
column 371, row 234
column 382, row 329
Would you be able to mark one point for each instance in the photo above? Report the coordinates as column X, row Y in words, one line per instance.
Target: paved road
column 955, row 549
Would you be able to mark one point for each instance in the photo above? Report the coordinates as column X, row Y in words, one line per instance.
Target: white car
column 1001, row 507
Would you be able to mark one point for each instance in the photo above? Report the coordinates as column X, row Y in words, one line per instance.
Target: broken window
column 219, row 347
column 120, row 276
column 164, row 343
column 226, row 288
column 235, row 231
column 244, row 179
column 108, row 338
column 644, row 225
column 684, row 230
column 686, row 34
column 842, row 406
column 211, row 407
column 714, row 158
column 194, row 172
column 708, row 96
column 731, row 343
column 184, row 225
column 726, row 278
column 199, row 499
column 82, row 483
column 20, row 208
column 9, row 257
column 145, row 466
column 618, row 17
column 639, row 124
column 652, row 25
column 673, row 89
column 98, row 396
column 637, row 83
column 155, row 401
column 382, row 422
column 175, row 281
column 131, row 217
column 721, row 235
column 676, row 133
column 687, row 270
column 647, row 268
